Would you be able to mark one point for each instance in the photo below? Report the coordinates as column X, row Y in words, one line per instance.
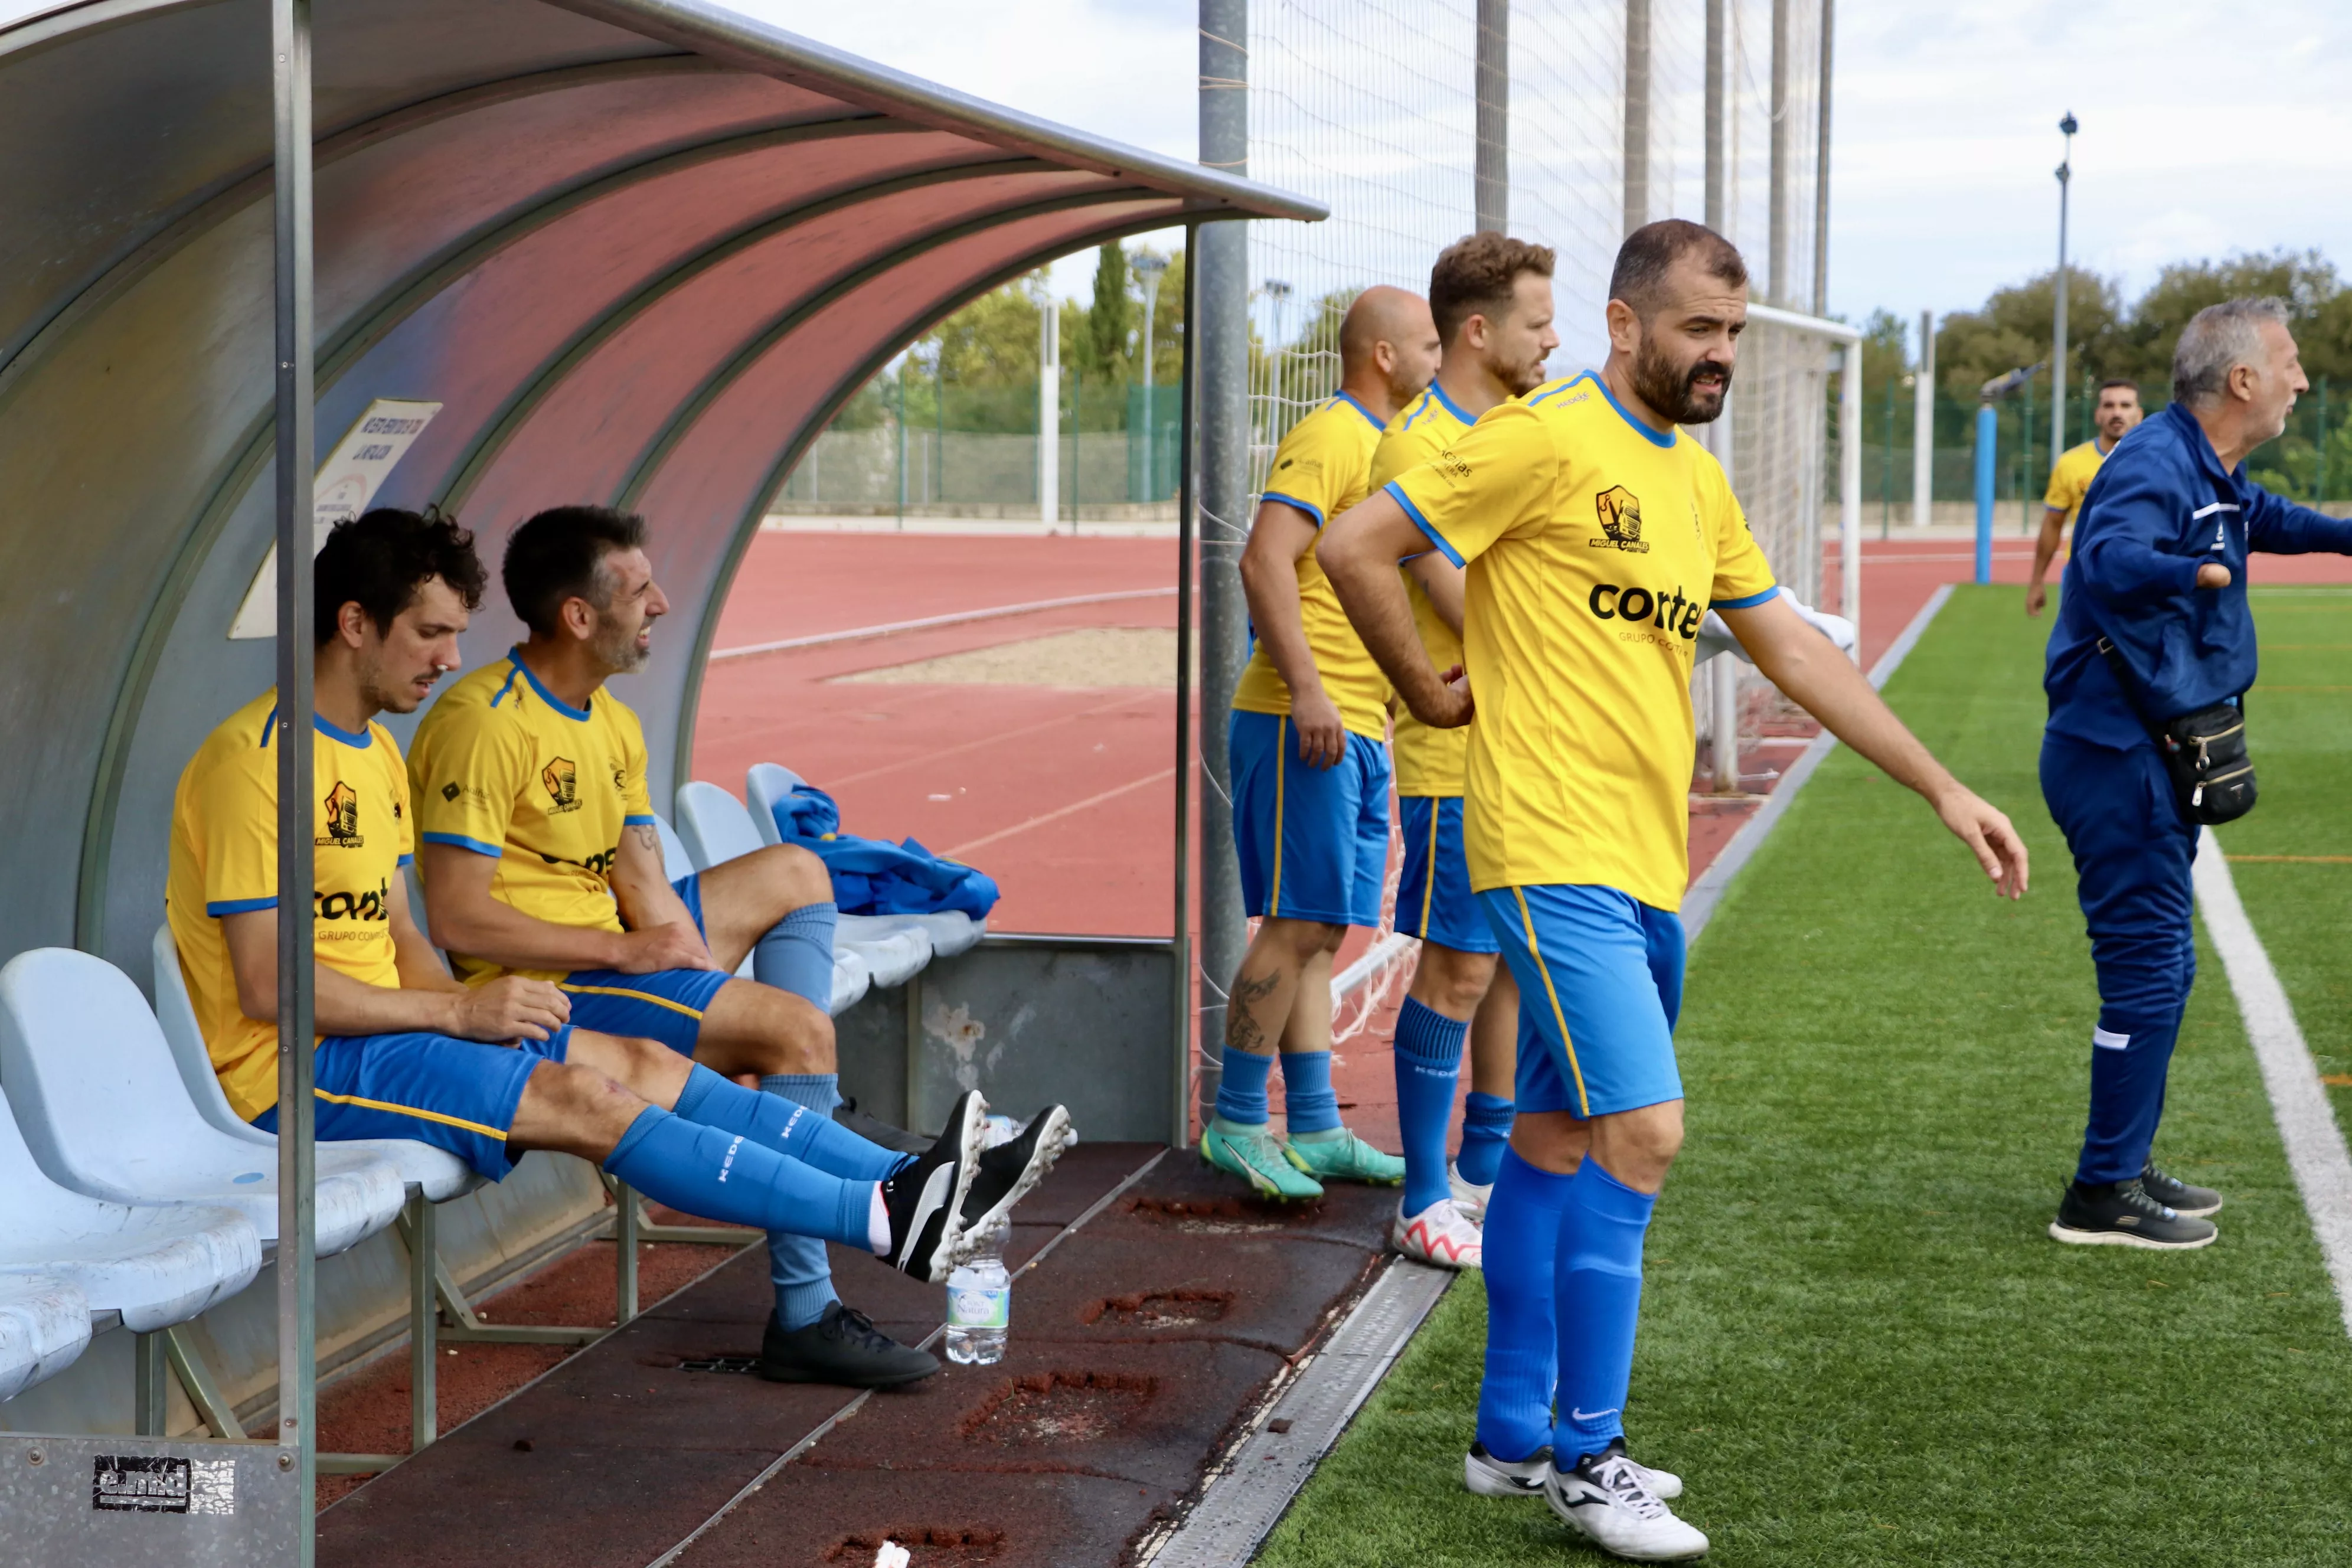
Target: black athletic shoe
column 843, row 1348
column 873, row 1130
column 1008, row 1171
column 2190, row 1203
column 924, row 1198
column 2121, row 1214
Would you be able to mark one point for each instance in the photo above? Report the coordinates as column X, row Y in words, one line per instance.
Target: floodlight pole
column 296, row 1261
column 1049, row 413
column 1923, row 425
column 2067, row 127
column 1154, row 268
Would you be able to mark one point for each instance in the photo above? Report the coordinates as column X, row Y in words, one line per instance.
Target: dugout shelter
column 635, row 251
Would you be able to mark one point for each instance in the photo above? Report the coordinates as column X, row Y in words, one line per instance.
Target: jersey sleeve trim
column 635, row 820
column 1396, row 493
column 407, row 860
column 1308, row 507
column 239, row 907
column 459, row 841
column 1749, row 603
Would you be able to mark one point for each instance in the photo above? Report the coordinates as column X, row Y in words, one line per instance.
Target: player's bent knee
column 796, row 877
column 574, row 1109
column 1299, row 940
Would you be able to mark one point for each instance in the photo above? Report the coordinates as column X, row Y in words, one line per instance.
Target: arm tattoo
column 649, row 837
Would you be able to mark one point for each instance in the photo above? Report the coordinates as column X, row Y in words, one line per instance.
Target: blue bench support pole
column 1987, row 440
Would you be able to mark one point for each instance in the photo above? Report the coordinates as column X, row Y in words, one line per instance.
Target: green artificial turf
column 1859, row 1345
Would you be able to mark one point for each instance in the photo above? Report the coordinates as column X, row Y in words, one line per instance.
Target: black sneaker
column 1008, row 1171
column 875, row 1130
column 2190, row 1203
column 2121, row 1214
column 928, row 1193
column 843, row 1348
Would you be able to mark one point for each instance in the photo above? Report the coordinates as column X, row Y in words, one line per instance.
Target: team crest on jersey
column 343, row 819
column 562, row 781
column 1621, row 521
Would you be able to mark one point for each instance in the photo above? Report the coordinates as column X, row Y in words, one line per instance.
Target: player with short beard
column 1597, row 535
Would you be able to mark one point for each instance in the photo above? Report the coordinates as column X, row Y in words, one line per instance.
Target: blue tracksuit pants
column 2132, row 849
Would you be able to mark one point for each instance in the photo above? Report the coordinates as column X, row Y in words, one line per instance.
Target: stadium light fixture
column 2066, row 128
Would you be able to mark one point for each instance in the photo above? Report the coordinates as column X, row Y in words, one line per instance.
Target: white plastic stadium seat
column 766, row 782
column 851, row 978
column 105, row 1112
column 156, row 1265
column 44, row 1326
column 438, row 1174
column 716, row 828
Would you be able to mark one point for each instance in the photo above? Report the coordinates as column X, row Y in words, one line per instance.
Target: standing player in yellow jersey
column 541, row 856
column 1310, row 771
column 1597, row 536
column 2071, row 476
column 1491, row 298
column 485, row 1073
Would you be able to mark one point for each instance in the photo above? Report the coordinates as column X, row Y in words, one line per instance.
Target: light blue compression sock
column 796, row 1264
column 1486, row 1132
column 731, row 1177
column 784, row 1123
column 1598, row 1271
column 1522, row 1346
column 1241, row 1091
column 796, row 956
column 1428, row 1065
column 1309, row 1104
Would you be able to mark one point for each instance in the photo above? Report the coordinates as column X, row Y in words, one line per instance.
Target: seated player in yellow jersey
column 505, row 1066
column 2070, row 480
column 1597, row 536
column 1491, row 298
column 540, row 858
column 1308, row 748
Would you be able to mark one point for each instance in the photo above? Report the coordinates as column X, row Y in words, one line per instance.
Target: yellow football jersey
column 1428, row 761
column 225, row 862
column 505, row 768
column 1595, row 546
column 1322, row 468
column 2071, row 476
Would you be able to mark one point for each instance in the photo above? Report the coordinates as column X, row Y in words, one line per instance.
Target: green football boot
column 1252, row 1154
column 1340, row 1155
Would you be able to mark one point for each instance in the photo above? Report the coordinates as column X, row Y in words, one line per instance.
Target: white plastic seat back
column 676, row 864
column 763, row 786
column 893, row 946
column 156, row 1266
column 951, row 931
column 851, row 981
column 44, row 1327
column 105, row 1113
column 714, row 825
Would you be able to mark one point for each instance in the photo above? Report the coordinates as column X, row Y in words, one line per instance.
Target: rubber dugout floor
column 1136, row 1346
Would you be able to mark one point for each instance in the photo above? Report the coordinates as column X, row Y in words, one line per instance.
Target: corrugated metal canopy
column 640, row 251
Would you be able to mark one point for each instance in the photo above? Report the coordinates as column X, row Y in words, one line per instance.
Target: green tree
column 2315, row 296
column 2012, row 329
column 1109, row 324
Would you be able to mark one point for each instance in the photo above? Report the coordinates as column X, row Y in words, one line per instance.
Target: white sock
column 878, row 1225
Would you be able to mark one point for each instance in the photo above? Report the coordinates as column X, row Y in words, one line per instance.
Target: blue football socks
column 1522, row 1346
column 1241, row 1091
column 1598, row 1270
column 1428, row 1065
column 1486, row 1132
column 1309, row 1104
column 731, row 1177
column 796, row 956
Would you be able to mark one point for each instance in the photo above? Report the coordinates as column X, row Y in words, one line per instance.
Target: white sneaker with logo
column 1468, row 1196
column 1441, row 1234
column 1485, row 1475
column 1608, row 1497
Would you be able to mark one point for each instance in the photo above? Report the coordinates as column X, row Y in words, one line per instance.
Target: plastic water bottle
column 979, row 1302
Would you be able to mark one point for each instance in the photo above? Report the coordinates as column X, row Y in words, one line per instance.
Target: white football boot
column 1468, row 1196
column 1608, row 1498
column 1486, row 1476
column 1441, row 1234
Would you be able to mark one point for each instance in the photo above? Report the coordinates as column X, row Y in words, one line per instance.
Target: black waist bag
column 2205, row 753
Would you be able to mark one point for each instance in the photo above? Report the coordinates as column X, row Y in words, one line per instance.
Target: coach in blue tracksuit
column 2159, row 575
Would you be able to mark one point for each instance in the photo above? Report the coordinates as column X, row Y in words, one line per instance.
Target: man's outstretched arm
column 1803, row 664
column 1358, row 552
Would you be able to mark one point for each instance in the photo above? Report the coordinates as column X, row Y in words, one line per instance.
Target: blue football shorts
column 1434, row 897
column 1313, row 842
column 1600, row 985
column 665, row 1005
column 458, row 1095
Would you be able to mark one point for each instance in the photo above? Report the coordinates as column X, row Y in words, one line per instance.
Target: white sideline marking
column 957, row 851
column 2314, row 1143
column 1699, row 903
column 858, row 634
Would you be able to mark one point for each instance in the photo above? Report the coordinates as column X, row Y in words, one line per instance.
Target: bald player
column 1310, row 771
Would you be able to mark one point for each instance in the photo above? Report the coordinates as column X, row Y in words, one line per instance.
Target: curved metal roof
column 639, row 251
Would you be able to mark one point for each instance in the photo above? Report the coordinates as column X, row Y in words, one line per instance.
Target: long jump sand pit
column 1084, row 656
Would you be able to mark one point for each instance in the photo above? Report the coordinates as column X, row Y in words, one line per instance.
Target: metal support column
column 1637, row 114
column 151, row 1386
column 1492, row 177
column 1821, row 169
column 1179, row 1131
column 1222, row 254
column 1923, row 425
column 1778, row 290
column 1713, row 111
column 296, row 455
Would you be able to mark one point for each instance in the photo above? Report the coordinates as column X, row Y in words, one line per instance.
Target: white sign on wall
column 347, row 481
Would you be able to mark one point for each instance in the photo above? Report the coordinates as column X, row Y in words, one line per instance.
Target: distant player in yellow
column 541, row 856
column 2070, row 479
column 1597, row 537
column 1308, row 741
column 1491, row 298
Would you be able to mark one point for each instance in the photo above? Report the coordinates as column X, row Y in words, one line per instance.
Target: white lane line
column 994, row 611
column 1699, row 904
column 957, row 851
column 2306, row 1124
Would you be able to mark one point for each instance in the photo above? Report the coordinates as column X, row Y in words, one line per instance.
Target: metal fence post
column 1988, row 444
